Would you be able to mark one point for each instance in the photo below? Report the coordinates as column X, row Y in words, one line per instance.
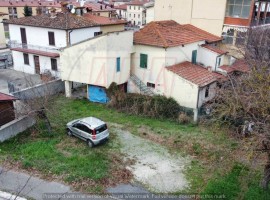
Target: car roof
column 92, row 122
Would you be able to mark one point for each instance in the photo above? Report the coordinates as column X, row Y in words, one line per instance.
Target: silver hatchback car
column 90, row 129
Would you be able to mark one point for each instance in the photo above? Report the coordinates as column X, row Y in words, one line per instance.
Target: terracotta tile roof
column 96, row 7
column 64, row 21
column 193, row 73
column 170, row 33
column 239, row 65
column 6, row 97
column 30, row 3
column 138, row 2
column 121, row 7
column 36, row 52
column 214, row 49
column 104, row 20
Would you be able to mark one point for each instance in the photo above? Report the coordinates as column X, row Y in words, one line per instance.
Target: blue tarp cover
column 97, row 94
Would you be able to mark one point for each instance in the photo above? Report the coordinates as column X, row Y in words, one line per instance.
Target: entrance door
column 23, row 37
column 37, row 65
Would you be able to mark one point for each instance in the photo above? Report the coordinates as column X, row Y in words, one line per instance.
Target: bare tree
column 243, row 103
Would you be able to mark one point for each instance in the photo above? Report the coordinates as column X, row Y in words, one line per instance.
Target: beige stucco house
column 98, row 62
column 169, row 59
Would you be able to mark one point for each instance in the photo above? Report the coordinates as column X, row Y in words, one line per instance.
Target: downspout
column 69, row 40
column 217, row 61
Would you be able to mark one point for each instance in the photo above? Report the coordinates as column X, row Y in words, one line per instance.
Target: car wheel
column 69, row 133
column 90, row 144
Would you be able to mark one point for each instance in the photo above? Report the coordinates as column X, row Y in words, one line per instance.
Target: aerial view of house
column 134, row 99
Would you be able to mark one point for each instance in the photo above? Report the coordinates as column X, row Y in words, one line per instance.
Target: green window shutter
column 118, row 64
column 143, row 60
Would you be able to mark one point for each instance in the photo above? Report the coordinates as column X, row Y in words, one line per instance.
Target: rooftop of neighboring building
column 6, row 97
column 65, row 21
column 195, row 73
column 104, row 20
column 30, row 3
column 237, row 66
column 138, row 2
column 214, row 49
column 121, row 7
column 170, row 34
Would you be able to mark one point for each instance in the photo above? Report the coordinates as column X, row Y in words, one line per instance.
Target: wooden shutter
column 118, row 64
column 143, row 60
column 51, row 38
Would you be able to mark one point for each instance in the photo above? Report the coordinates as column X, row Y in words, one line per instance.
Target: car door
column 86, row 132
column 76, row 129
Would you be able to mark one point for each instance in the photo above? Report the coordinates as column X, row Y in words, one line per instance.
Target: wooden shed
column 7, row 113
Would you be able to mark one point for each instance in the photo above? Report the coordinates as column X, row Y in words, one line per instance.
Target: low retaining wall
column 15, row 127
column 41, row 90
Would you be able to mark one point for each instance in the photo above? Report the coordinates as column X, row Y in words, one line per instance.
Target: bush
column 159, row 107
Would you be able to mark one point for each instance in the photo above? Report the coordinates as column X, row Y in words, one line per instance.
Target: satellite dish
column 73, row 11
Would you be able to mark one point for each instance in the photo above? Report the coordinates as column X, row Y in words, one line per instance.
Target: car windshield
column 101, row 128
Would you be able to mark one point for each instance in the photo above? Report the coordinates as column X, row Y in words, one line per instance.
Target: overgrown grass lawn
column 214, row 166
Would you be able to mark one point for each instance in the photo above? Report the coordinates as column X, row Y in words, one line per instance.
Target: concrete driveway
column 20, row 80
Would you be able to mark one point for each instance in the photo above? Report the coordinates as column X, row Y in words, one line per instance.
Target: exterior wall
column 150, row 14
column 212, row 92
column 37, row 35
column 112, row 28
column 2, row 32
column 20, row 11
column 122, row 13
column 209, row 15
column 180, row 54
column 173, row 10
column 135, row 10
column 7, row 112
column 207, row 57
column 156, row 66
column 79, row 35
column 205, row 14
column 15, row 127
column 94, row 61
column 45, row 64
column 183, row 91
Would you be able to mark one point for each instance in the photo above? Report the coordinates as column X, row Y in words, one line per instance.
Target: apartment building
column 136, row 13
column 229, row 18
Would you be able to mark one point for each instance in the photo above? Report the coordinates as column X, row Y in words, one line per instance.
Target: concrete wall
column 180, row 54
column 150, row 14
column 112, row 28
column 212, row 93
column 94, row 61
column 2, row 31
column 15, row 127
column 183, row 91
column 41, row 90
column 79, row 35
column 205, row 14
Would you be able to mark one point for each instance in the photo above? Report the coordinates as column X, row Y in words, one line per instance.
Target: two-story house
column 177, row 61
column 36, row 41
column 98, row 62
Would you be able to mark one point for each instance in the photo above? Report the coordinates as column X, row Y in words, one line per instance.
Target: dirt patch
column 155, row 167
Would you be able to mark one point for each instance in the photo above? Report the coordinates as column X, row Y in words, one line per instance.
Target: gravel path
column 154, row 166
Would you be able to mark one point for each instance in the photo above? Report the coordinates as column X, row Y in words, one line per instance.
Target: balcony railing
column 262, row 21
column 15, row 44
